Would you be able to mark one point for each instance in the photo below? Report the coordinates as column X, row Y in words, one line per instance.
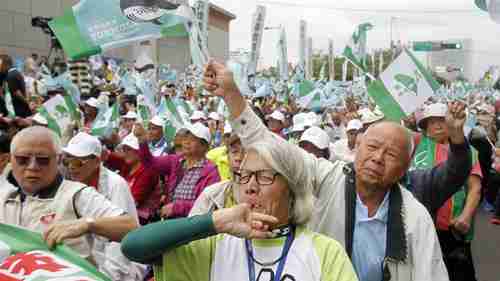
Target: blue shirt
column 369, row 240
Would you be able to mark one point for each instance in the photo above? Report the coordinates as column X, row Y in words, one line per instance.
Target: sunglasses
column 40, row 161
column 75, row 163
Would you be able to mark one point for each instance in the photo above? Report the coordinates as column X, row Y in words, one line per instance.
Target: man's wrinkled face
column 311, row 148
column 34, row 163
column 235, row 152
column 383, row 156
column 193, row 146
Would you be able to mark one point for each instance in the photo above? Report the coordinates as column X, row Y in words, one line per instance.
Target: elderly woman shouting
column 262, row 239
column 186, row 175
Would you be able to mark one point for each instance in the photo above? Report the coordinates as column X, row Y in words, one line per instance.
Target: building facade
column 19, row 39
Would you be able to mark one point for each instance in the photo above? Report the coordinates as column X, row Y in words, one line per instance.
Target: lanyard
column 279, row 271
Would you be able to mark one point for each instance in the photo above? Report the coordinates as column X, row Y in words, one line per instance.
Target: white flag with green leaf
column 106, row 122
column 143, row 111
column 58, row 113
column 355, row 51
column 403, row 87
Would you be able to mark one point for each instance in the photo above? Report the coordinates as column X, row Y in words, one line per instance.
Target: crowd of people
column 269, row 191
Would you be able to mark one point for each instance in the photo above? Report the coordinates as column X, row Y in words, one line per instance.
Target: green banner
column 25, row 256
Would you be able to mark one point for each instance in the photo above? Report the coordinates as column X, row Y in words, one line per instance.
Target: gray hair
column 301, row 201
column 36, row 132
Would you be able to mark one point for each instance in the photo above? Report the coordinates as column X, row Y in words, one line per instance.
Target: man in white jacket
column 388, row 234
column 82, row 159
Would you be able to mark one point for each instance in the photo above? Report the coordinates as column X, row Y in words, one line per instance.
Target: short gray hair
column 36, row 132
column 302, row 201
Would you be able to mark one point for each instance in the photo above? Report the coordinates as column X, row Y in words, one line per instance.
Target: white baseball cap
column 93, row 102
column 40, row 119
column 158, row 121
column 83, row 145
column 198, row 115
column 214, row 116
column 368, row 116
column 199, row 130
column 130, row 115
column 433, row 110
column 131, row 141
column 277, row 115
column 354, row 124
column 317, row 137
column 299, row 122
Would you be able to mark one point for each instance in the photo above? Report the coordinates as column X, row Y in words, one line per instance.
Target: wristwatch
column 90, row 222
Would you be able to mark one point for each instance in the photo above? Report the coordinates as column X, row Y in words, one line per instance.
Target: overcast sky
column 444, row 19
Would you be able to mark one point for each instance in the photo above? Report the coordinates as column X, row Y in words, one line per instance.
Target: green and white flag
column 94, row 26
column 11, row 112
column 355, row 51
column 58, row 113
column 24, row 256
column 403, row 87
column 106, row 122
column 143, row 111
column 168, row 111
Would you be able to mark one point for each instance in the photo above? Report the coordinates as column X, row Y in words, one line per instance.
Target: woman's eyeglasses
column 263, row 177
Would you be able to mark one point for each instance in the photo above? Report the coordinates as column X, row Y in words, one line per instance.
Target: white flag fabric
column 403, row 87
column 257, row 31
column 355, row 51
column 283, row 56
column 344, row 70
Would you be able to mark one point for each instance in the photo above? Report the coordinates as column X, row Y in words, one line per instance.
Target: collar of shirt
column 159, row 143
column 381, row 214
column 44, row 193
column 198, row 164
column 95, row 181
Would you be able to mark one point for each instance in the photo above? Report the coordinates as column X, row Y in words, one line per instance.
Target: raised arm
column 148, row 243
column 164, row 165
column 433, row 187
column 305, row 167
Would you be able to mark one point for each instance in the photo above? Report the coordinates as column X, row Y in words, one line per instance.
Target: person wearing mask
column 83, row 161
column 362, row 204
column 187, row 175
column 35, row 196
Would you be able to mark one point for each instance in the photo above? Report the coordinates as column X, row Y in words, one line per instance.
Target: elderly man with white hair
column 37, row 197
column 385, row 227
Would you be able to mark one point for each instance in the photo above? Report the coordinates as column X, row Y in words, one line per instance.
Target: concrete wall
column 19, row 38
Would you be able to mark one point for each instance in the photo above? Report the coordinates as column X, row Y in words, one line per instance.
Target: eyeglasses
column 263, row 177
column 26, row 160
column 75, row 163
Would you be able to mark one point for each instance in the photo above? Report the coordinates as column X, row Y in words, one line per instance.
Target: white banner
column 344, row 70
column 302, row 44
column 283, row 56
column 309, row 63
column 259, row 18
column 202, row 11
column 331, row 60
